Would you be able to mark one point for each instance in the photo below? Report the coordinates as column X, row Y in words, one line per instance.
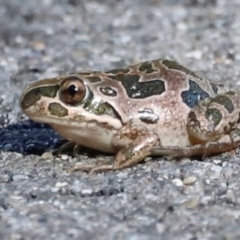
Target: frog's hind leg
column 213, row 126
column 225, row 143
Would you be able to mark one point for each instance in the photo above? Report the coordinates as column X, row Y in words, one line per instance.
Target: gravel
column 190, row 199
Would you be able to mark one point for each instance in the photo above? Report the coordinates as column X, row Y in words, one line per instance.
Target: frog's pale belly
column 92, row 137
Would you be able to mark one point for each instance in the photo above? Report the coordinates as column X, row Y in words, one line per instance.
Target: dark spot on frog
column 100, row 108
column 175, row 66
column 57, row 109
column 148, row 116
column 94, row 79
column 232, row 93
column 194, row 94
column 147, row 67
column 33, row 96
column 136, row 89
column 118, row 71
column 224, row 101
column 108, row 91
column 214, row 115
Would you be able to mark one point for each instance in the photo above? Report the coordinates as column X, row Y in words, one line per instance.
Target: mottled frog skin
column 152, row 108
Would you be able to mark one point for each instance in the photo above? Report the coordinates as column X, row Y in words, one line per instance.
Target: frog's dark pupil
column 72, row 90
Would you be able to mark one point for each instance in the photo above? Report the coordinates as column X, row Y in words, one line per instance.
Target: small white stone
column 207, row 181
column 64, row 157
column 61, row 184
column 223, row 184
column 216, row 168
column 224, row 164
column 194, row 54
column 160, row 227
column 192, row 203
column 231, row 196
column 217, row 162
column 189, row 180
column 47, row 155
column 87, row 191
column 54, row 189
column 178, row 182
column 227, row 172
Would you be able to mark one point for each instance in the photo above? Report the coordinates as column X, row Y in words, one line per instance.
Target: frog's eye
column 72, row 91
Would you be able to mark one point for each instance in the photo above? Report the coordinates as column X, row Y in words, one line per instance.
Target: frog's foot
column 225, row 143
column 68, row 147
column 91, row 168
column 126, row 157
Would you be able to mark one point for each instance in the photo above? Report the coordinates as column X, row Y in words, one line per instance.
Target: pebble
column 227, row 172
column 160, row 227
column 192, row 203
column 189, row 180
column 215, row 175
column 224, row 164
column 64, row 157
column 207, row 181
column 230, row 196
column 38, row 45
column 217, row 162
column 223, row 184
column 7, row 147
column 19, row 177
column 194, row 54
column 178, row 182
column 2, row 165
column 54, row 189
column 61, row 184
column 87, row 191
column 5, row 178
column 215, row 172
column 16, row 236
column 216, row 168
column 47, row 155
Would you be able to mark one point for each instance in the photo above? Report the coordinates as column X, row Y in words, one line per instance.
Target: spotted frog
column 152, row 108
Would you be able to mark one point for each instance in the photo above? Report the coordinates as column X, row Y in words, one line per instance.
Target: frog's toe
column 68, row 147
column 102, row 168
column 81, row 167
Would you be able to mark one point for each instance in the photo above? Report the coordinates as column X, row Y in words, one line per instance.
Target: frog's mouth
column 53, row 112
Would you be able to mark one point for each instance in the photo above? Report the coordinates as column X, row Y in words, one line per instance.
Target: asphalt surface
column 186, row 200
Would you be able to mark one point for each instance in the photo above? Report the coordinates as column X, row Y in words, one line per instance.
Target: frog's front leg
column 68, row 147
column 213, row 127
column 133, row 143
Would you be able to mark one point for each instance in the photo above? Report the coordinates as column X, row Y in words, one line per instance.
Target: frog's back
column 159, row 81
column 158, row 93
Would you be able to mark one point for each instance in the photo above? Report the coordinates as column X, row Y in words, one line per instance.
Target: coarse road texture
column 185, row 200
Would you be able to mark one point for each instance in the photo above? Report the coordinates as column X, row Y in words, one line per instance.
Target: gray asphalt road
column 185, row 200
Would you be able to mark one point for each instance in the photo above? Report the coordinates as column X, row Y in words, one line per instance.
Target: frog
column 146, row 109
